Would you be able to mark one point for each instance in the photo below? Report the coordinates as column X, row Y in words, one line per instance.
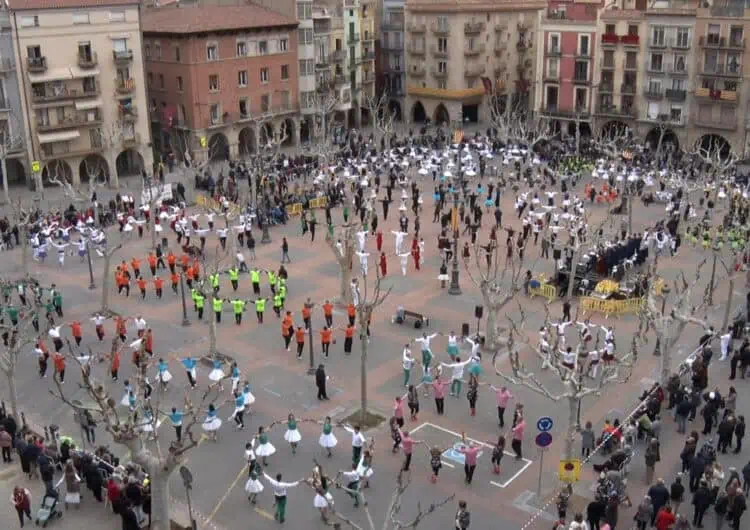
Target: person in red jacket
column 22, row 503
column 75, row 329
column 665, row 519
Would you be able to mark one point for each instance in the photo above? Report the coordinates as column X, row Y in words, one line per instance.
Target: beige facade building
column 454, row 49
column 83, row 96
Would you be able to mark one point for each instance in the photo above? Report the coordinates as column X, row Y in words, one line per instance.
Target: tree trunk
column 154, row 215
column 572, row 430
column 105, row 282
column 160, row 498
column 4, row 169
column 13, row 393
column 24, row 249
column 491, row 333
column 345, row 277
column 573, row 268
column 728, row 308
column 363, row 372
column 212, row 331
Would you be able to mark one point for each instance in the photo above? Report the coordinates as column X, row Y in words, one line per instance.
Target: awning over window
column 77, row 73
column 61, row 136
column 88, row 105
column 53, row 74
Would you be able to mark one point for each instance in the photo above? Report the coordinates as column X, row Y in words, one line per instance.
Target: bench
column 402, row 315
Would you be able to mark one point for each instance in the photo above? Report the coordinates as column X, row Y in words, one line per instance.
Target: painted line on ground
column 447, row 464
column 224, row 497
column 272, row 392
column 503, row 485
column 264, row 513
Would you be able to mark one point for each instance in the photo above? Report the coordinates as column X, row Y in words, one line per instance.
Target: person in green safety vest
column 272, row 280
column 260, row 308
column 200, row 301
column 238, row 306
column 278, row 304
column 234, row 277
column 255, row 280
column 194, row 297
column 282, row 293
column 214, row 280
column 218, row 306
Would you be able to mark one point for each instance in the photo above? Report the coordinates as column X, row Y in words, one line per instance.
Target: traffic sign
column 543, row 439
column 36, row 167
column 570, row 470
column 544, row 424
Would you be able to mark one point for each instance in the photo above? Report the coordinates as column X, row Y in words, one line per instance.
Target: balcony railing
column 577, row 112
column 58, row 94
column 655, row 68
column 76, row 120
column 730, row 70
column 712, row 40
column 414, row 27
column 631, row 65
column 612, row 110
column 414, row 50
column 36, row 64
column 711, row 123
column 580, row 79
column 478, row 49
column 653, row 94
column 610, row 39
column 500, row 48
column 439, row 29
column 128, row 112
column 439, row 74
column 339, row 80
column 125, row 86
column 553, row 51
column 553, row 76
column 682, row 70
column 729, row 96
column 675, row 94
column 627, row 89
column 606, row 87
column 678, row 44
column 56, row 150
column 122, row 56
column 392, row 26
column 368, row 56
column 352, row 38
column 337, row 55
column 472, row 28
column 657, row 43
column 737, row 43
column 474, row 70
column 608, row 65
column 417, row 71
column 437, row 52
column 630, row 40
column 131, row 141
column 87, row 60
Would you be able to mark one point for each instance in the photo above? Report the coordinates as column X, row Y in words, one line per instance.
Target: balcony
column 712, row 41
column 87, row 60
column 606, row 87
column 322, row 63
column 608, row 65
column 627, row 89
column 440, row 30
column 352, row 38
column 630, row 40
column 478, row 49
column 122, row 56
column 6, row 65
column 711, row 123
column 417, row 71
column 413, row 27
column 367, row 56
column 676, row 44
column 580, row 112
column 473, row 28
column 474, row 70
column 124, row 86
column 36, row 65
column 339, row 80
column 337, row 55
column 436, row 52
column 131, row 141
column 76, row 120
column 499, row 70
column 392, row 26
column 728, row 96
column 579, row 79
column 551, row 77
column 610, row 39
column 583, row 55
column 48, row 94
column 436, row 73
column 500, row 48
column 657, row 44
column 631, row 66
column 522, row 46
column 61, row 147
column 676, row 95
column 414, row 50
column 128, row 112
column 677, row 72
column 553, row 52
column 368, row 78
column 736, row 44
column 368, row 37
column 720, row 70
column 612, row 111
column 655, row 68
column 653, row 94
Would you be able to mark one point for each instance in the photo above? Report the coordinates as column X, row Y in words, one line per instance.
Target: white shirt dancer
column 363, row 262
column 404, row 262
column 399, row 241
column 726, row 339
column 424, row 341
column 361, row 239
column 60, row 253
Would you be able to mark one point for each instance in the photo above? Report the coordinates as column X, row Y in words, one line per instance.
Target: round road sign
column 544, row 424
column 543, row 439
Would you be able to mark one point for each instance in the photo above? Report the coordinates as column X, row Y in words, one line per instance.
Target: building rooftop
column 202, row 19
column 470, row 6
column 20, row 5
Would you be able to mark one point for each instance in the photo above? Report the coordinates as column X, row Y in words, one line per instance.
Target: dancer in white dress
column 235, row 375
column 217, row 373
column 323, row 499
column 253, row 486
column 265, row 449
column 292, row 434
column 163, row 374
column 125, row 401
column 327, row 439
column 249, row 397
column 212, row 423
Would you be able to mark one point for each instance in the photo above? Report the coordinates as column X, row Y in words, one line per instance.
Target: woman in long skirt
column 125, row 401
column 292, row 434
column 323, row 499
column 265, row 448
column 253, row 486
column 235, row 375
column 364, row 467
column 327, row 439
column 212, row 423
column 249, row 397
column 217, row 374
column 163, row 374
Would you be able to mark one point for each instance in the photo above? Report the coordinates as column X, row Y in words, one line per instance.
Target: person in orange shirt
column 59, row 361
column 351, row 311
column 120, row 328
column 196, row 270
column 189, row 276
column 328, row 313
column 171, row 261
column 159, row 286
column 43, row 357
column 114, row 365
column 299, row 335
column 287, row 325
column 135, row 263
column 75, row 329
column 326, row 334
column 142, row 286
column 184, row 261
column 175, row 279
column 152, row 263
column 122, row 283
column 348, row 338
column 307, row 312
column 148, row 341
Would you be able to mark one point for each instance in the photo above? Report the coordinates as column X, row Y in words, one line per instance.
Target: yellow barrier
column 546, row 290
column 294, row 209
column 213, row 204
column 607, row 286
column 319, row 202
column 611, row 307
column 659, row 286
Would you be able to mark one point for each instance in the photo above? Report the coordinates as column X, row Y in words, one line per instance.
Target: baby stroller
column 48, row 509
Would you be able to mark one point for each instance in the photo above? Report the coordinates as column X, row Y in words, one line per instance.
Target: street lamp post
column 455, row 287
column 187, row 480
column 92, row 284
column 185, row 320
column 664, row 294
column 311, row 350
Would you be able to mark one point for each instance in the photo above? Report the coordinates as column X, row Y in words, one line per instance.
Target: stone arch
column 94, row 166
column 616, row 129
column 248, row 144
column 418, row 114
column 668, row 137
column 289, row 132
column 16, row 172
column 305, row 130
column 712, row 145
column 218, row 147
column 57, row 169
column 585, row 128
column 365, row 117
column 266, row 134
column 441, row 115
column 129, row 163
column 394, row 107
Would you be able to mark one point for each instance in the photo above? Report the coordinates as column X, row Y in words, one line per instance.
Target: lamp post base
column 657, row 348
column 92, row 286
column 266, row 238
column 311, row 371
column 185, row 322
column 455, row 287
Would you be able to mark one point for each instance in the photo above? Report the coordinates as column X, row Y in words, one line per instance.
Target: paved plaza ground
column 281, row 385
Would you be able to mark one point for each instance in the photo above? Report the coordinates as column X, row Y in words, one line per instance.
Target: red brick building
column 222, row 80
column 566, row 60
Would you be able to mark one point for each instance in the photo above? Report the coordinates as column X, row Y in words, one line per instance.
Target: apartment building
column 223, row 80
column 366, row 86
column 393, row 56
column 459, row 56
column 81, row 79
column 12, row 129
column 566, row 58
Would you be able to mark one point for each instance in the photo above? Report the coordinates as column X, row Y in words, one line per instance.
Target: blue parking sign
column 544, row 424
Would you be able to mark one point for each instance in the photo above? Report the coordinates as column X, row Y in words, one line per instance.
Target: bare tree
column 145, row 445
column 344, row 248
column 382, row 115
column 107, row 255
column 9, row 143
column 21, row 218
column 324, row 102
